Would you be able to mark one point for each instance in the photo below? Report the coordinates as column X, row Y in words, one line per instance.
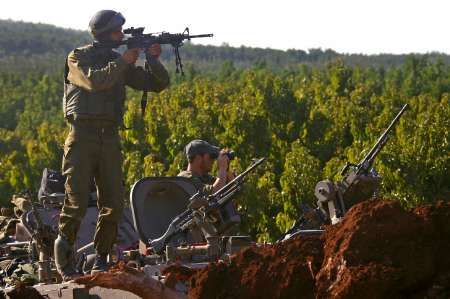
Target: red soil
column 379, row 250
column 382, row 251
column 285, row 270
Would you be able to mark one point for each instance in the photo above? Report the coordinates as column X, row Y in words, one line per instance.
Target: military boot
column 64, row 259
column 100, row 263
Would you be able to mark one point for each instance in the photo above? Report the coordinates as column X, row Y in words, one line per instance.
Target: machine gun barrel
column 369, row 158
column 366, row 163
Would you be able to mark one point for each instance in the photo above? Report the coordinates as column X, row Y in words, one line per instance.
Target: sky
column 346, row 26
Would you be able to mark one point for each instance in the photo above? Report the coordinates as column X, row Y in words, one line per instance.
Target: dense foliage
column 307, row 121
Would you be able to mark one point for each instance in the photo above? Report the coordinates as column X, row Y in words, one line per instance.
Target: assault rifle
column 203, row 208
column 140, row 40
column 360, row 181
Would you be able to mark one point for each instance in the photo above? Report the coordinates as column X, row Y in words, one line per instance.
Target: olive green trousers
column 92, row 152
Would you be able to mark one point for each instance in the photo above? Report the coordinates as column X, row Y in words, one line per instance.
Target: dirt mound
column 382, row 251
column 177, row 273
column 285, row 270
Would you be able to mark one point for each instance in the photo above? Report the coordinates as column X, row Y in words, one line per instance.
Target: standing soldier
column 94, row 95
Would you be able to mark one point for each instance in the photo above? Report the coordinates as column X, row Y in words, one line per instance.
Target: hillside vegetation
column 41, row 47
column 308, row 121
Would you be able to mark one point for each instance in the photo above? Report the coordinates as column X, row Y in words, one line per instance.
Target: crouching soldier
column 201, row 156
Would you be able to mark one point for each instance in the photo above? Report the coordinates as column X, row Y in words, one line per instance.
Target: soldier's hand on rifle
column 131, row 55
column 155, row 50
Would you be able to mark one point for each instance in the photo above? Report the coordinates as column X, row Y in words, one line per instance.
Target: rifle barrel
column 200, row 35
column 382, row 140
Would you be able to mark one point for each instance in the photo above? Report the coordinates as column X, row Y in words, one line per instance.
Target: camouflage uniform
column 94, row 95
column 202, row 183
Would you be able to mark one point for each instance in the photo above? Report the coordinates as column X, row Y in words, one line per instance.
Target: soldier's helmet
column 105, row 22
